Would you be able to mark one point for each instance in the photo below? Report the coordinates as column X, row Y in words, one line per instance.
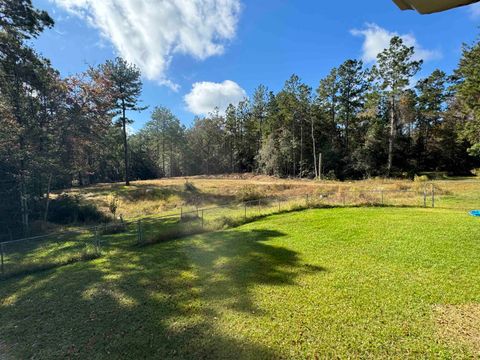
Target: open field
column 346, row 282
column 172, row 208
column 166, row 196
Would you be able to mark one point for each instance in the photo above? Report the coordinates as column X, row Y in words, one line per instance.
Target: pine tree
column 395, row 69
column 125, row 86
column 468, row 93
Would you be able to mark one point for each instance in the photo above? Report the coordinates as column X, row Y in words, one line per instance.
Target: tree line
column 359, row 122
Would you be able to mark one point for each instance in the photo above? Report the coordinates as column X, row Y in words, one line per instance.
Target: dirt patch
column 459, row 324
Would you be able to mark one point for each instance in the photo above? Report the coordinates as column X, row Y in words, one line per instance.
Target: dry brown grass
column 460, row 324
column 166, row 196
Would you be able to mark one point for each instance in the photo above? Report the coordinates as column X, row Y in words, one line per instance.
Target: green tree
column 28, row 90
column 20, row 19
column 125, row 87
column 468, row 94
column 326, row 113
column 394, row 71
column 431, row 104
column 352, row 85
column 165, row 137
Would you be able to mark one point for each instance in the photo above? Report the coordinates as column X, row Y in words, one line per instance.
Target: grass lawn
column 348, row 283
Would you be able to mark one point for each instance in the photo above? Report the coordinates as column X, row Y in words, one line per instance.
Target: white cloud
column 206, row 96
column 474, row 10
column 150, row 32
column 377, row 39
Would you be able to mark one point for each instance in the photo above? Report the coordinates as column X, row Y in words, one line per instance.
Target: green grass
column 57, row 249
column 348, row 283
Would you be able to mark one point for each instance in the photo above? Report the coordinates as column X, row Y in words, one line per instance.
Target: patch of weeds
column 190, row 187
column 114, row 228
column 442, row 191
column 174, row 233
column 189, row 217
column 226, row 222
column 421, row 178
column 401, row 187
column 249, row 193
column 279, row 187
column 147, row 194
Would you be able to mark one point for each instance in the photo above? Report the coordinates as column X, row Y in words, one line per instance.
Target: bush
column 249, row 193
column 226, row 222
column 190, row 187
column 67, row 209
column 189, row 217
column 113, row 204
column 421, row 178
column 330, row 176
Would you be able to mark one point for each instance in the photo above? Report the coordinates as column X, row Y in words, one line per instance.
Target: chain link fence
column 43, row 252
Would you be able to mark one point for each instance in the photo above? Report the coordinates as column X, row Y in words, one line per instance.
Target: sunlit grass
column 170, row 196
column 331, row 283
column 191, row 217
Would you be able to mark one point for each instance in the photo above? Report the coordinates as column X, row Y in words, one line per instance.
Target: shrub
column 113, row 204
column 190, row 187
column 226, row 222
column 330, row 176
column 67, row 209
column 192, row 216
column 249, row 193
column 421, row 178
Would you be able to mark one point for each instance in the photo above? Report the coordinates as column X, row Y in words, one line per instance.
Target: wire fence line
column 23, row 256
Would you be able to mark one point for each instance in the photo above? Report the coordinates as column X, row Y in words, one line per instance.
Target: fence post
column 278, row 201
column 245, row 204
column 181, row 213
column 425, row 197
column 383, row 202
column 203, row 224
column 433, row 195
column 2, row 260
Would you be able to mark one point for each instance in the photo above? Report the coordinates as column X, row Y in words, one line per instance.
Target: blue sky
column 198, row 53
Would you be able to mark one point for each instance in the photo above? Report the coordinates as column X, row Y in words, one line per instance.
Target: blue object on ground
column 475, row 213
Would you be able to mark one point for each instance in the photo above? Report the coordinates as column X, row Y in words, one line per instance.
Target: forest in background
column 359, row 122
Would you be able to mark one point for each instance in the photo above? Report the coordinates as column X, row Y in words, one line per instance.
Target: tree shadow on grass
column 163, row 301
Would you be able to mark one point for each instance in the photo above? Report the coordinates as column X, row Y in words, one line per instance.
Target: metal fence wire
column 43, row 252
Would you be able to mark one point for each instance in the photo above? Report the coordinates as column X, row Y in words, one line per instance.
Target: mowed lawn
column 345, row 283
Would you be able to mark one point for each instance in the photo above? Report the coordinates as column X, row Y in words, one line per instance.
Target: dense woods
column 359, row 122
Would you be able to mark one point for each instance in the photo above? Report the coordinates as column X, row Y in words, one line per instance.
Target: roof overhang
column 431, row 6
